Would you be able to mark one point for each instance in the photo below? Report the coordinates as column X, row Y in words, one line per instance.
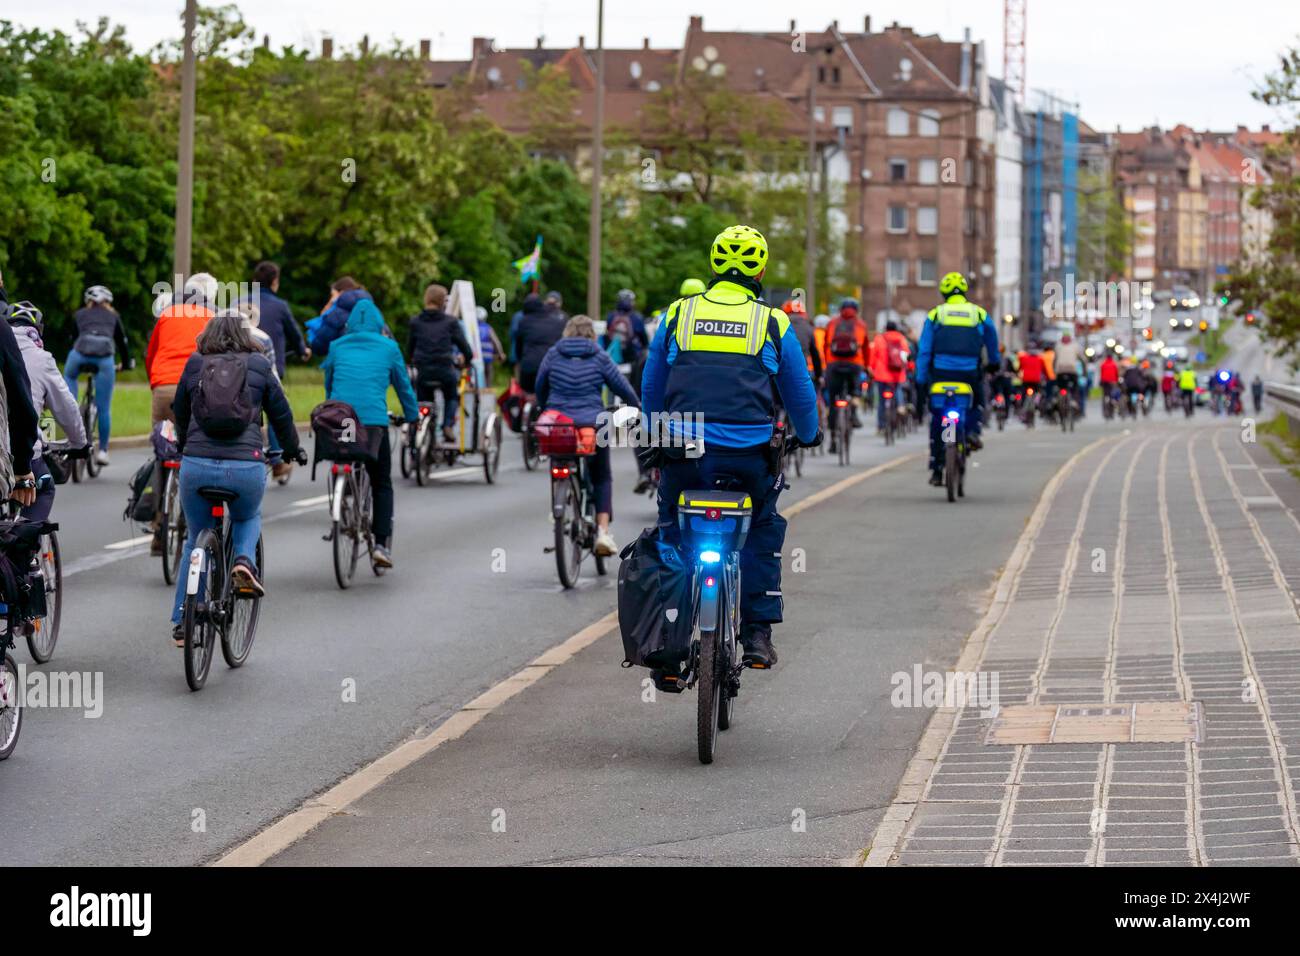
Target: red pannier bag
column 559, row 437
column 511, row 403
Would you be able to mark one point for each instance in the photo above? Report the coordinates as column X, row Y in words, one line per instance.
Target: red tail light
column 340, row 469
column 713, row 514
column 1062, row 391
column 425, row 409
column 171, row 464
column 559, row 472
column 841, row 403
column 889, row 394
column 218, row 511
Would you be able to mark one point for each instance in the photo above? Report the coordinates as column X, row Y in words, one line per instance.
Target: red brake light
column 709, row 582
column 713, row 514
column 425, row 409
column 557, row 472
column 889, row 394
column 218, row 511
column 841, row 403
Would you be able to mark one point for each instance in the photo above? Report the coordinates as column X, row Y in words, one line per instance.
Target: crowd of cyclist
column 216, row 373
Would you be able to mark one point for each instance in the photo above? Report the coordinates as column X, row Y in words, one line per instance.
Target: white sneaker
column 605, row 546
column 101, row 458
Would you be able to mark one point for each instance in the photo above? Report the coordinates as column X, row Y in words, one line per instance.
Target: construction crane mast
column 1013, row 46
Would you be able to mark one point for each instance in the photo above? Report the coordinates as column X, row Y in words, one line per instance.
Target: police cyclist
column 711, row 368
column 954, row 335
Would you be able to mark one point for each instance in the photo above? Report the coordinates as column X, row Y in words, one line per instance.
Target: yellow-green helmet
column 951, row 283
column 691, row 287
column 742, row 248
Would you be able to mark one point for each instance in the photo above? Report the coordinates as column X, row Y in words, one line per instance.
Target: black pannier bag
column 654, row 603
column 142, row 502
column 340, row 436
column 21, row 591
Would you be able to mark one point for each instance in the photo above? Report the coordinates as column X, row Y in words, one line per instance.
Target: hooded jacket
column 332, row 323
column 49, row 390
column 434, row 338
column 538, row 331
column 362, row 364
column 572, row 375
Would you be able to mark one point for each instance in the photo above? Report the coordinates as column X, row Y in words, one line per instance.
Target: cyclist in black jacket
column 434, row 340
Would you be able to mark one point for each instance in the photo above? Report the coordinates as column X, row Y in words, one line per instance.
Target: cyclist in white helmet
column 101, row 346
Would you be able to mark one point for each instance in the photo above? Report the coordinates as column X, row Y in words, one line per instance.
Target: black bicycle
column 573, row 496
column 952, row 412
column 214, row 608
column 171, row 519
column 351, row 531
column 89, row 464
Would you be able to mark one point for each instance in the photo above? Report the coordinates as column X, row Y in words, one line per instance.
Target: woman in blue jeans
column 236, row 463
column 101, row 343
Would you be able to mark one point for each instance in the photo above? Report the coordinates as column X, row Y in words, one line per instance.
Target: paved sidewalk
column 1159, row 569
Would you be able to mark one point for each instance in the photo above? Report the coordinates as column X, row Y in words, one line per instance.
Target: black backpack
column 221, row 403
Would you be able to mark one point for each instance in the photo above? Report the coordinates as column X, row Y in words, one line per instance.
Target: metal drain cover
column 1146, row 722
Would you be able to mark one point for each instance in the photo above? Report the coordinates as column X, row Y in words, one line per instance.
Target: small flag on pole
column 530, row 266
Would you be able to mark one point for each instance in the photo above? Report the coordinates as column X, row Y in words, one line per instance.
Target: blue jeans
column 248, row 480
column 105, row 376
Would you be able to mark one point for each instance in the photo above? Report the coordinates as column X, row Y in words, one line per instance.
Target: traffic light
column 1147, row 334
column 1250, row 318
column 1204, row 325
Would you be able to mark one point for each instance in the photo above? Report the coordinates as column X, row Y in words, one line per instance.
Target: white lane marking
column 291, row 828
column 453, row 473
column 310, row 502
column 128, row 543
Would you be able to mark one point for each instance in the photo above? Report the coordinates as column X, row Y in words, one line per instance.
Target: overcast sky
column 1127, row 62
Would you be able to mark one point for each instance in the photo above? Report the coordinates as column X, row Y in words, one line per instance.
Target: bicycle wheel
column 404, row 450
column 798, row 462
column 846, row 435
column 710, row 699
column 727, row 694
column 91, row 420
column 424, row 452
column 171, row 526
column 346, row 537
column 568, row 529
column 961, row 470
column 492, row 435
column 11, row 708
column 950, row 470
column 199, row 617
column 45, row 630
column 241, row 625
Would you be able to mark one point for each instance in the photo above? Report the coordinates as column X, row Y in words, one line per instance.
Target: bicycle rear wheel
column 200, row 625
column 91, row 420
column 710, row 697
column 172, row 526
column 346, row 536
column 567, row 523
column 950, row 470
column 241, row 627
column 45, row 630
column 11, row 709
column 492, row 436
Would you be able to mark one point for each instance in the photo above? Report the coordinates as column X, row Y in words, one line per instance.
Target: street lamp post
column 597, row 166
column 810, row 226
column 185, row 154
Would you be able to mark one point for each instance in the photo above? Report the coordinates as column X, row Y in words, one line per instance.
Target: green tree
column 1270, row 284
column 1105, row 229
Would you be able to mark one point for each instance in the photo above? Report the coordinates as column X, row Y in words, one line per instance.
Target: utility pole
column 597, row 164
column 810, row 225
column 185, row 155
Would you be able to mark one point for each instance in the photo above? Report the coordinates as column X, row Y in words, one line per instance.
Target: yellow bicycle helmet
column 691, row 287
column 742, row 248
column 952, row 283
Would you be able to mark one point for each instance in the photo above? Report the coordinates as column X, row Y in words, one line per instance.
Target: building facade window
column 927, row 220
column 927, row 123
column 896, row 271
column 927, row 272
column 898, row 170
column 896, row 122
column 927, row 172
column 896, row 219
column 842, row 117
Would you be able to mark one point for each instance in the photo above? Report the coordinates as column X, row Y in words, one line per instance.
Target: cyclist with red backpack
column 846, row 358
column 889, row 354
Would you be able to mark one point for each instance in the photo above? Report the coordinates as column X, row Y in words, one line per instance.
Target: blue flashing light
column 710, row 557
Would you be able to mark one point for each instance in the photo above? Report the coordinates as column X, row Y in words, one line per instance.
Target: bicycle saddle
column 217, row 495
